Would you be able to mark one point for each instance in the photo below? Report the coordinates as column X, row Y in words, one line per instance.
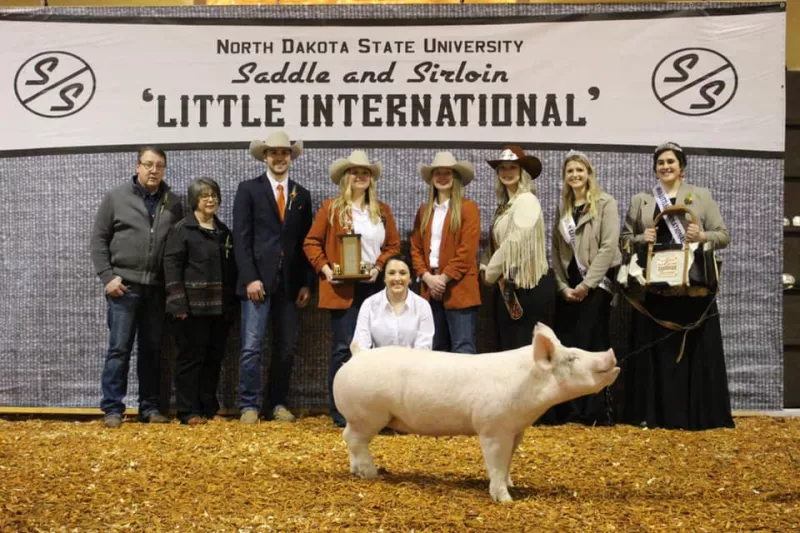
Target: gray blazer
column 596, row 240
column 698, row 199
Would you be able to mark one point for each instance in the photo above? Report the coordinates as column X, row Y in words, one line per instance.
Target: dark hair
column 666, row 147
column 198, row 186
column 397, row 257
column 155, row 149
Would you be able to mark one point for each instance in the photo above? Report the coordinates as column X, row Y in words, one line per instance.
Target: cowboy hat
column 514, row 154
column 277, row 139
column 357, row 158
column 464, row 169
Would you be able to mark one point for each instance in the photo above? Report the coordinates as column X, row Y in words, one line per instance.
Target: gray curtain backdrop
column 52, row 311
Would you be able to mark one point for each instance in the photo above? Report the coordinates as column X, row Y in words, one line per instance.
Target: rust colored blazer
column 457, row 256
column 322, row 243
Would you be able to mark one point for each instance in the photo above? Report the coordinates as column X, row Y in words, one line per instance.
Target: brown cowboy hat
column 464, row 169
column 277, row 139
column 514, row 154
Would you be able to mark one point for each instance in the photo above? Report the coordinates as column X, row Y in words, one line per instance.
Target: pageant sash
column 674, row 225
column 567, row 227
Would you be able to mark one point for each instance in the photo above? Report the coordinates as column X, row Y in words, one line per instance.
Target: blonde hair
column 456, row 194
column 593, row 190
column 525, row 184
column 342, row 204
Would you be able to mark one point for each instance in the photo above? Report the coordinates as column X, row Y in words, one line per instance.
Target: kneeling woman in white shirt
column 395, row 316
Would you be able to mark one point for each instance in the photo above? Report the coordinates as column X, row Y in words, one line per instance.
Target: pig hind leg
column 517, row 441
column 497, row 451
column 358, row 438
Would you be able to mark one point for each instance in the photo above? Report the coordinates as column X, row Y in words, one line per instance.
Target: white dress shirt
column 378, row 325
column 437, row 227
column 274, row 184
column 372, row 234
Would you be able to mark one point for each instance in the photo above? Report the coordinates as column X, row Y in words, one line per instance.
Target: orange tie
column 281, row 202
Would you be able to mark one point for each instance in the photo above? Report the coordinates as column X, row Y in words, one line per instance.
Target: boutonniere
column 228, row 246
column 292, row 196
column 689, row 199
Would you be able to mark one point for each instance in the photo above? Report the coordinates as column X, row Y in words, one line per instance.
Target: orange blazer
column 322, row 243
column 457, row 256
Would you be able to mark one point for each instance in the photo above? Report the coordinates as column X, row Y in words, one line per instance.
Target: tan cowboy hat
column 277, row 139
column 357, row 158
column 515, row 154
column 464, row 169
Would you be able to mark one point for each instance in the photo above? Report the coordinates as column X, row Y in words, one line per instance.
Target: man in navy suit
column 271, row 216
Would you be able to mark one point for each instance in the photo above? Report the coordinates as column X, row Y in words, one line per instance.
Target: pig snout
column 585, row 372
column 597, row 362
column 609, row 369
column 605, row 362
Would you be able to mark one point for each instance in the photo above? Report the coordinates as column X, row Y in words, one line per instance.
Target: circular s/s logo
column 695, row 81
column 54, row 84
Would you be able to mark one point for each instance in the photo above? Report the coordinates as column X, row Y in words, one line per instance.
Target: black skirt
column 690, row 394
column 583, row 325
column 537, row 306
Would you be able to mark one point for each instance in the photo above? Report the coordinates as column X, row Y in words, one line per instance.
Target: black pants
column 583, row 325
column 201, row 348
column 537, row 306
column 343, row 327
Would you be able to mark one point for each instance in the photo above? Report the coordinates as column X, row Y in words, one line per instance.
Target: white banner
column 714, row 82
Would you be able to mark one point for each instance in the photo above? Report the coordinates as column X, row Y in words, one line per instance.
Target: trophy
column 350, row 266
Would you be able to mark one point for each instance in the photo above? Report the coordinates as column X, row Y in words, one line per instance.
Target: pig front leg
column 497, row 450
column 517, row 441
column 361, row 463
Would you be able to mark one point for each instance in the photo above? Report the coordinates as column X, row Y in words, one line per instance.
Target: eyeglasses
column 208, row 196
column 149, row 165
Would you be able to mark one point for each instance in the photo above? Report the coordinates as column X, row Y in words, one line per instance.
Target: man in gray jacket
column 127, row 246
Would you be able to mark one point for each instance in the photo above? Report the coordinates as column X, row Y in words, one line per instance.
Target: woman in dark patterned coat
column 200, row 275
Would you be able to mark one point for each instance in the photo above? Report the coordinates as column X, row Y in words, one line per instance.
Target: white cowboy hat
column 277, row 139
column 464, row 169
column 357, row 158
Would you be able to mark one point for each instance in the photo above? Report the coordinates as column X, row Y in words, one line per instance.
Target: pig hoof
column 509, row 483
column 366, row 472
column 500, row 494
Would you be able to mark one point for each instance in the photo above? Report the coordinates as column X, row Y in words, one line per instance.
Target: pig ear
column 543, row 348
column 544, row 329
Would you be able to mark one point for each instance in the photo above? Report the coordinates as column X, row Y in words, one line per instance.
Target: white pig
column 494, row 395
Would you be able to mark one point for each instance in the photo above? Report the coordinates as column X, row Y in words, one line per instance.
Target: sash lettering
column 674, row 225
